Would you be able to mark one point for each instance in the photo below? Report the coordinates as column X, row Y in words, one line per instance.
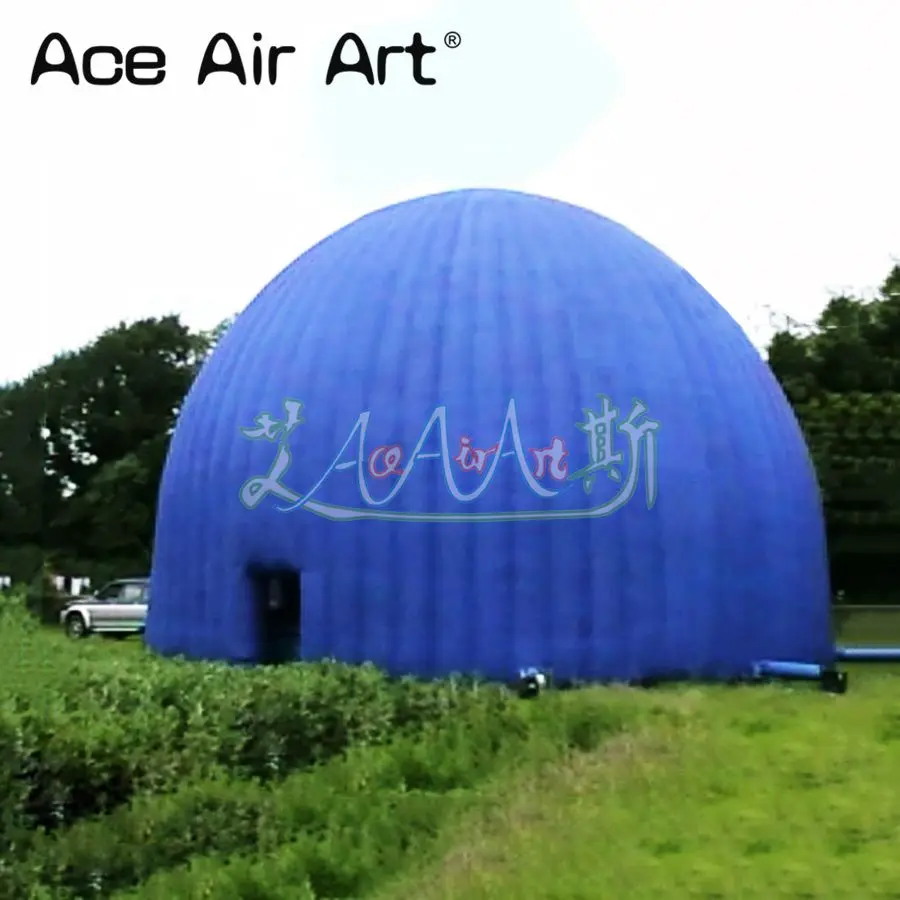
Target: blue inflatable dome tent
column 484, row 431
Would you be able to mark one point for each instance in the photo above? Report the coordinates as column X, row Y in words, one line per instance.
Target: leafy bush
column 337, row 828
column 14, row 608
column 118, row 768
column 43, row 600
column 110, row 731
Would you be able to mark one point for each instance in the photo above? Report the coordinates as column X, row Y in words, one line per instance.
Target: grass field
column 737, row 793
column 681, row 792
column 869, row 625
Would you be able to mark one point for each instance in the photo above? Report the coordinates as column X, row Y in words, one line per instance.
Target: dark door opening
column 276, row 597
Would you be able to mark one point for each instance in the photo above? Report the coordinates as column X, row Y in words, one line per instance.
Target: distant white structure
column 74, row 586
column 5, row 582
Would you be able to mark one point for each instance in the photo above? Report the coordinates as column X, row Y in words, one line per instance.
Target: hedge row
column 111, row 730
column 333, row 831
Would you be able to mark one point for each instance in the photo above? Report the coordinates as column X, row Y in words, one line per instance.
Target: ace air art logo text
column 617, row 448
column 105, row 65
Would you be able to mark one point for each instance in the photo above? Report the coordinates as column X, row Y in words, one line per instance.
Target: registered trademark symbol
column 452, row 39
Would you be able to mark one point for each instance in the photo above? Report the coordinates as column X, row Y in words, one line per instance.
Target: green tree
column 853, row 346
column 83, row 442
column 29, row 496
column 842, row 377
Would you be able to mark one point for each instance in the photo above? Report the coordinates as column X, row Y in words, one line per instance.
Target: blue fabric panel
column 500, row 318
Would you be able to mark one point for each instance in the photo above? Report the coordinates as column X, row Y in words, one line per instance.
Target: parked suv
column 117, row 609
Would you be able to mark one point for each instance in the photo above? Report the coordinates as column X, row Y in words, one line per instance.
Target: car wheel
column 76, row 626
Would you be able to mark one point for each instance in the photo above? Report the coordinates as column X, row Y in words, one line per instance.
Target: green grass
column 737, row 793
column 869, row 626
column 683, row 792
column 35, row 660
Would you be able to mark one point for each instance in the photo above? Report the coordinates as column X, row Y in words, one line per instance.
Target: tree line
column 82, row 445
column 842, row 377
column 83, row 441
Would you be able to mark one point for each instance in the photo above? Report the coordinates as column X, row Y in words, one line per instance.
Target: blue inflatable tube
column 829, row 678
column 782, row 669
column 868, row 654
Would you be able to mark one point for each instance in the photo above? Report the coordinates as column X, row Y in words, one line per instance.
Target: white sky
column 758, row 143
